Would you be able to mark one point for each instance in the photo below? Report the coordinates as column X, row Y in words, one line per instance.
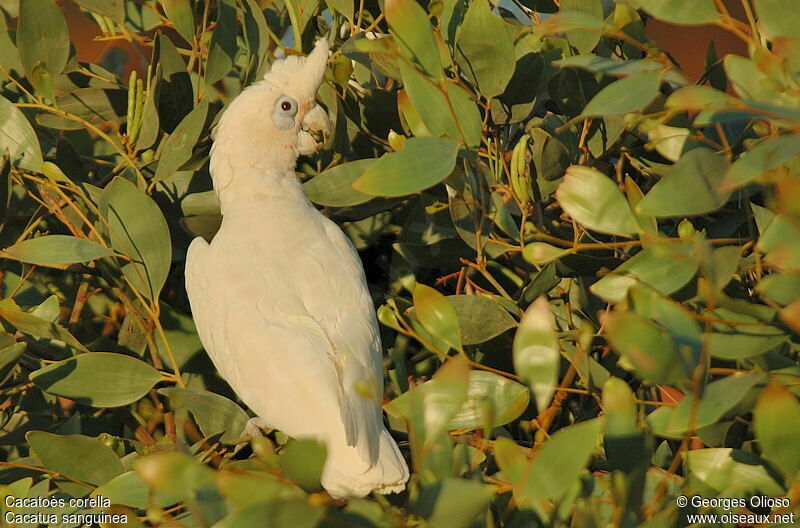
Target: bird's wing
column 277, row 358
column 352, row 328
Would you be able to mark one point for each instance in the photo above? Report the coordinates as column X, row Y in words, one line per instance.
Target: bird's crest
column 300, row 76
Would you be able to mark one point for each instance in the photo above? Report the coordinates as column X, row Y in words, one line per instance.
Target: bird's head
column 277, row 119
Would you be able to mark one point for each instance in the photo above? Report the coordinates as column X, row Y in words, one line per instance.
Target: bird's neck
column 255, row 187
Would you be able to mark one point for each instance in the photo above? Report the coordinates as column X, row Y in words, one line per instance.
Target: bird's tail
column 342, row 476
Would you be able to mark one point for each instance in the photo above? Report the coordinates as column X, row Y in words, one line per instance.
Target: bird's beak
column 315, row 130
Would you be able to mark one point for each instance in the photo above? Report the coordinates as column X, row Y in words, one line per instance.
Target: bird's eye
column 285, row 110
column 287, row 105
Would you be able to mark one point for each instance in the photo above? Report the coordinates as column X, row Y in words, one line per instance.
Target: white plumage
column 279, row 296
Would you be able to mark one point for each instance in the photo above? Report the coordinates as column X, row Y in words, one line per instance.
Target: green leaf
column 489, row 62
column 99, row 379
column 719, row 398
column 9, row 356
column 584, row 41
column 757, row 162
column 129, row 489
column 541, row 283
column 732, row 472
column 780, row 288
column 76, row 456
column 42, row 37
column 564, row 21
column 178, row 147
column 302, row 462
column 695, row 98
column 94, row 105
column 429, row 407
column 256, row 34
column 686, row 12
column 174, row 473
column 776, row 420
column 777, row 18
column 18, row 138
column 343, row 7
column 223, row 42
column 542, row 253
column 550, row 156
column 625, row 95
column 491, row 401
column 138, row 229
column 619, row 409
column 691, row 187
column 479, row 318
column 113, row 9
column 179, row 13
column 333, row 187
column 462, row 122
column 647, row 348
column 606, row 66
column 664, row 267
column 437, row 315
column 413, row 33
column 536, row 356
column 55, row 250
column 213, row 413
column 245, row 489
column 453, row 502
column 9, row 56
column 424, row 162
column 668, row 141
column 181, row 334
column 558, row 463
column 175, row 90
column 35, row 326
column 593, row 200
column 289, row 513
column 780, row 240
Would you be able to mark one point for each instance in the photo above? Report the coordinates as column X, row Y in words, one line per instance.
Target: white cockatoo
column 279, row 296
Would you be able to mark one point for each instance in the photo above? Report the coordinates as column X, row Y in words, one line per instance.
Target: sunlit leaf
column 479, row 318
column 490, row 61
column 42, row 37
column 437, row 315
column 592, row 199
column 55, row 250
column 99, row 379
column 558, row 463
column 213, row 413
column 536, row 357
column 665, row 267
column 223, row 42
column 776, row 418
column 179, row 12
column 625, row 95
column 334, row 187
column 691, row 187
column 689, row 12
column 137, row 229
column 414, row 35
column 423, row 162
column 718, row 399
column 18, row 138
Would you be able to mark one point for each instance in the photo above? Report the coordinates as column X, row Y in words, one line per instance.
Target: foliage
column 587, row 268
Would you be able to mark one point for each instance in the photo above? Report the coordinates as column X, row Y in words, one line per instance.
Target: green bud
column 686, row 229
column 396, row 141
